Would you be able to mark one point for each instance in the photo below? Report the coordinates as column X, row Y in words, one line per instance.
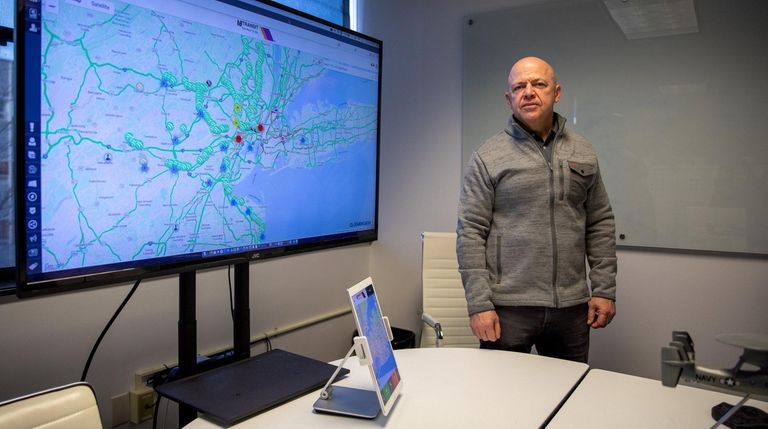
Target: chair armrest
column 434, row 324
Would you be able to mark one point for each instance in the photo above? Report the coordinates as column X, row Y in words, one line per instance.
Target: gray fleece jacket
column 525, row 225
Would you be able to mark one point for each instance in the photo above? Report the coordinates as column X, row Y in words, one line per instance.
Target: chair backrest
column 67, row 407
column 442, row 292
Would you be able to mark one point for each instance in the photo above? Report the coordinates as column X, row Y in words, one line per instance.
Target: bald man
column 533, row 208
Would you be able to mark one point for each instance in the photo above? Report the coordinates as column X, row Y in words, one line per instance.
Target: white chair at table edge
column 444, row 307
column 72, row 406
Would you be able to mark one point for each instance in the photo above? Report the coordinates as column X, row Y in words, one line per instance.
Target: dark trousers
column 561, row 333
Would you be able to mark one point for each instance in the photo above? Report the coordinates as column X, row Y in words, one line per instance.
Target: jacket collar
column 516, row 129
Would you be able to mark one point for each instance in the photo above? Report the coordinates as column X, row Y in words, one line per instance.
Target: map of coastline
column 163, row 136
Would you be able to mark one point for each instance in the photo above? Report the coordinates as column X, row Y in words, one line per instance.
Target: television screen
column 154, row 136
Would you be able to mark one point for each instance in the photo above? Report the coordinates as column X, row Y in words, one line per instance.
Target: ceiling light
column 639, row 19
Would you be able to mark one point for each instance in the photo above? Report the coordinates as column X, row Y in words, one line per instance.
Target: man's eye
column 540, row 85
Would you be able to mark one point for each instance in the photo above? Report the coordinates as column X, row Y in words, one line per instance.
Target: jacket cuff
column 611, row 296
column 479, row 308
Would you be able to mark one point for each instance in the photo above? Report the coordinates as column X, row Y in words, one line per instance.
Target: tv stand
column 245, row 385
column 187, row 328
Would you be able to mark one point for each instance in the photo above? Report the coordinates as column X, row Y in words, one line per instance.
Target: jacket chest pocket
column 579, row 177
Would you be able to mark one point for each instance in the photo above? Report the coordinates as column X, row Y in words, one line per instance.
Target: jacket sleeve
column 474, row 223
column 601, row 241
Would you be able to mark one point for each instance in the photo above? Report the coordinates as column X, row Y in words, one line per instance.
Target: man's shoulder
column 493, row 145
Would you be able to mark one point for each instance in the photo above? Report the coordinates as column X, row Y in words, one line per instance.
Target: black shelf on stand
column 246, row 385
column 187, row 336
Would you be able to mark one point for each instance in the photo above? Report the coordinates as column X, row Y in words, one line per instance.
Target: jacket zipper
column 552, row 228
column 498, row 259
column 554, row 234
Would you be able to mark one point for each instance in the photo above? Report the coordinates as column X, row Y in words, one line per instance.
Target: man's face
column 532, row 93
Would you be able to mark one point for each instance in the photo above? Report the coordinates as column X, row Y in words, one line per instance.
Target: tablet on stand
column 374, row 349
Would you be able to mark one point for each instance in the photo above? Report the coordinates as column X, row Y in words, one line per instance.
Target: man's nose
column 528, row 92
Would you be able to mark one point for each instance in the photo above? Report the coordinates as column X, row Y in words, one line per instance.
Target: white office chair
column 444, row 307
column 72, row 406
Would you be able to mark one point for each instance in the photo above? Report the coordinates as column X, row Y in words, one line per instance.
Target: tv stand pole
column 241, row 327
column 187, row 337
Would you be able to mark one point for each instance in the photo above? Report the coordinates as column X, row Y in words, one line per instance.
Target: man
column 532, row 206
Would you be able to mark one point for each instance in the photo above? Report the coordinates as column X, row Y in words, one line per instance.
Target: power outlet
column 142, row 404
column 141, row 378
column 120, row 409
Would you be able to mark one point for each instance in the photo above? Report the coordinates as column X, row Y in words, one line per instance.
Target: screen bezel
column 101, row 275
column 381, row 332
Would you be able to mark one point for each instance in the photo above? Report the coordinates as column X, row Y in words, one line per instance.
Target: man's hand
column 601, row 312
column 485, row 325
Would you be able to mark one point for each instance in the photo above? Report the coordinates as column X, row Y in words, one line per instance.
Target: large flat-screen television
column 156, row 136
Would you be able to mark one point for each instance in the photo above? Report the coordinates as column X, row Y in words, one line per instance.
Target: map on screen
column 165, row 131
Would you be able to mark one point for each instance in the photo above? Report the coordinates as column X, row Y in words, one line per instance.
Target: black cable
column 106, row 328
column 154, row 412
column 165, row 413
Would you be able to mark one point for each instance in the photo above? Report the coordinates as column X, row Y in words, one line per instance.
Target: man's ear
column 557, row 93
column 509, row 99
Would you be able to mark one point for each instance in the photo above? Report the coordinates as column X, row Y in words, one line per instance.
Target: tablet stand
column 730, row 412
column 349, row 401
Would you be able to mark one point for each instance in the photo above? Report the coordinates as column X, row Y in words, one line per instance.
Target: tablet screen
column 370, row 325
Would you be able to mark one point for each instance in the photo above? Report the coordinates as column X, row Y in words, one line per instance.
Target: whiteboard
column 680, row 123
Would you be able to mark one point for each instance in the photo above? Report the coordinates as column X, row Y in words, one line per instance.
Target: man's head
column 532, row 93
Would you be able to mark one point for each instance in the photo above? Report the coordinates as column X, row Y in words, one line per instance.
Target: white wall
column 421, row 138
column 45, row 341
column 421, row 151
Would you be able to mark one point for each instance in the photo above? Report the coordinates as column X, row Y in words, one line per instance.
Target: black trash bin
column 402, row 338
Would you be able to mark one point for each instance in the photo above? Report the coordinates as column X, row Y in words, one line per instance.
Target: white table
column 607, row 399
column 445, row 388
